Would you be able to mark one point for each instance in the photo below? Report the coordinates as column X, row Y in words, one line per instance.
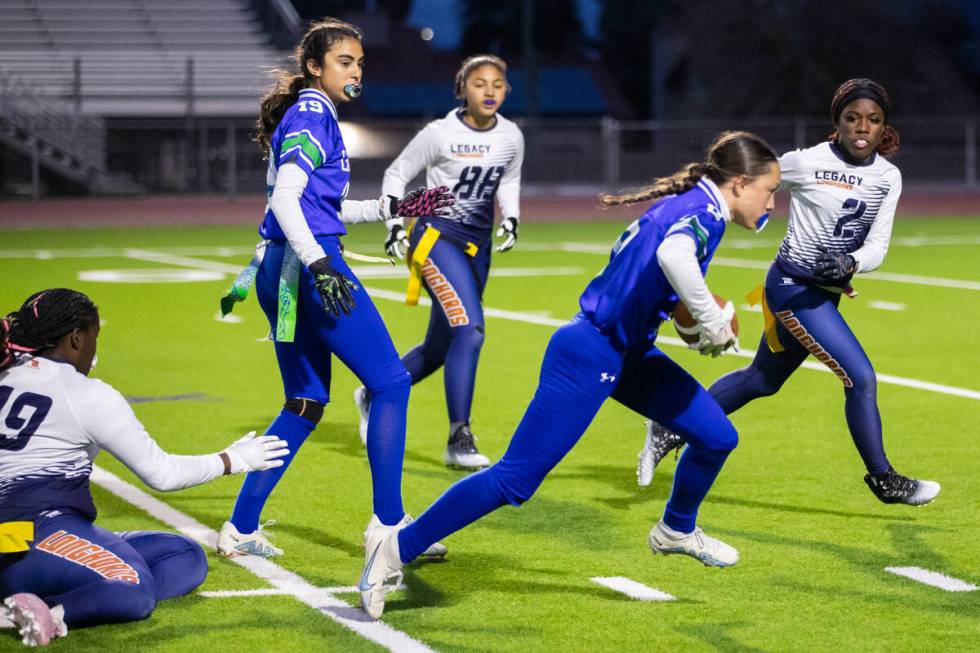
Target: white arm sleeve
column 509, row 190
column 290, row 183
column 419, row 154
column 872, row 253
column 357, row 211
column 678, row 259
column 111, row 424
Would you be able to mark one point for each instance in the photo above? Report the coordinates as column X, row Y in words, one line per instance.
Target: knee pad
column 305, row 408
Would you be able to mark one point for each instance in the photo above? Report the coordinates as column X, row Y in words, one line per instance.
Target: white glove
column 256, row 454
column 716, row 338
column 397, row 242
column 508, row 227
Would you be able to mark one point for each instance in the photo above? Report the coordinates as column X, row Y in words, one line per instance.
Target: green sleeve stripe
column 311, row 151
column 701, row 235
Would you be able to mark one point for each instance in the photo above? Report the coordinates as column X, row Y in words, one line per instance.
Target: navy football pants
column 580, row 371
column 455, row 282
column 102, row 577
column 809, row 322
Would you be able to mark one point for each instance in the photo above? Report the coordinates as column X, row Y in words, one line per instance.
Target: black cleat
column 658, row 444
column 461, row 451
column 892, row 487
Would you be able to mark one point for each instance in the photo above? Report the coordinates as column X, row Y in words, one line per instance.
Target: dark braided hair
column 42, row 320
column 733, row 153
column 856, row 89
column 315, row 44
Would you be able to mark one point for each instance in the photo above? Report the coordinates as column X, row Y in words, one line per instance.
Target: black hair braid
column 42, row 320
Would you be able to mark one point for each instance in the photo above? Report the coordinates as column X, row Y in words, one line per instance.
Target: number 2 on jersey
column 858, row 207
column 23, row 426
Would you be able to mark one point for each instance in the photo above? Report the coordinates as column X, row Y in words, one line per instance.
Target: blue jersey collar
column 316, row 94
column 714, row 194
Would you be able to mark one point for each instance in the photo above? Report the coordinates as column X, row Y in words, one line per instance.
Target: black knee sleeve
column 305, row 408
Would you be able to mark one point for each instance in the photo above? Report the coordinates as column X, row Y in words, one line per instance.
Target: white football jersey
column 837, row 206
column 54, row 421
column 475, row 164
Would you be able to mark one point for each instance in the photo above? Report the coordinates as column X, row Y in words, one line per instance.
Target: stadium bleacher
column 139, row 57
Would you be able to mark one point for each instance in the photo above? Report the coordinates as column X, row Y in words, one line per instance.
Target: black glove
column 397, row 242
column 835, row 267
column 334, row 288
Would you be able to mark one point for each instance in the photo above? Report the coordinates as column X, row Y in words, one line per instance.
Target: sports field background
column 814, row 541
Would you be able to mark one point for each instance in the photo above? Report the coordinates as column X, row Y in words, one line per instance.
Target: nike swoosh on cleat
column 363, row 585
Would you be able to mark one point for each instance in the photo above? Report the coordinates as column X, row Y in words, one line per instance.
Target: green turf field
column 813, row 540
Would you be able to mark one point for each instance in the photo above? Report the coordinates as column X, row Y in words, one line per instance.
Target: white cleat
column 713, row 553
column 36, row 623
column 363, row 403
column 437, row 550
column 231, row 543
column 382, row 562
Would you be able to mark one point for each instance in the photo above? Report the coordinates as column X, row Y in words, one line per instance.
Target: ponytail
column 732, row 154
column 681, row 181
column 274, row 106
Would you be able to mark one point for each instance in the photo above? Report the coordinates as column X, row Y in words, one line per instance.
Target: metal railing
column 51, row 133
column 217, row 155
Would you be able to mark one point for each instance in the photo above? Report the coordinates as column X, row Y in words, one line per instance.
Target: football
column 687, row 326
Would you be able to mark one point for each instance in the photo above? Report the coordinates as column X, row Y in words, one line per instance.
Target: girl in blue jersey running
column 608, row 349
column 315, row 305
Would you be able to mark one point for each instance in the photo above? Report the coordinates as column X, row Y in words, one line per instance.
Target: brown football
column 687, row 326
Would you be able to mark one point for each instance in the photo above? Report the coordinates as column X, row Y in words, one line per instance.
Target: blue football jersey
column 632, row 296
column 309, row 136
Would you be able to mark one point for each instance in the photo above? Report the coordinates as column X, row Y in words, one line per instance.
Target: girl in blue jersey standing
column 608, row 349
column 315, row 305
column 843, row 194
column 478, row 153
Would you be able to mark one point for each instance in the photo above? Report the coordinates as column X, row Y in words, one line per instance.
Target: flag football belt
column 420, row 254
column 15, row 535
column 288, row 287
column 758, row 296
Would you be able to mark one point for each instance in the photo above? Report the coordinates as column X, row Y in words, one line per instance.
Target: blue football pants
column 362, row 342
column 580, row 371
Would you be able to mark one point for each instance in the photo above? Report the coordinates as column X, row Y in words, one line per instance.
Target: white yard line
column 886, row 306
column 225, row 594
column 516, row 316
column 281, row 579
column 633, row 589
column 933, row 578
